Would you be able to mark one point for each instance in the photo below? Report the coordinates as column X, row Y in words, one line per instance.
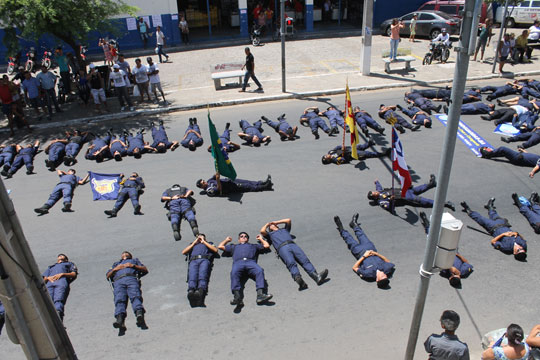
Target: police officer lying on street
column 131, row 187
column 340, row 155
column 178, row 200
column 217, row 186
column 66, row 188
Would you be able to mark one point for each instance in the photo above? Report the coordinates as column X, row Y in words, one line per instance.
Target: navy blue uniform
column 532, row 214
column 364, row 120
column 245, row 264
column 419, row 119
column 434, row 94
column 496, row 225
column 135, row 142
column 65, row 188
column 421, row 102
column 528, row 91
column 130, row 189
column 514, row 157
column 57, row 151
column 99, row 143
column 252, row 130
column 116, row 146
column 126, row 285
column 198, row 141
column 226, row 140
column 525, row 121
column 280, row 125
column 26, row 157
column 289, row 252
column 475, row 108
column 74, row 145
column 411, row 196
column 315, row 122
column 2, row 316
column 180, row 208
column 335, row 118
column 338, row 156
column 386, row 115
column 357, row 248
column 464, row 268
column 229, row 186
column 200, row 265
column 59, row 289
column 159, row 135
column 532, row 138
column 470, row 96
column 499, row 91
column 7, row 155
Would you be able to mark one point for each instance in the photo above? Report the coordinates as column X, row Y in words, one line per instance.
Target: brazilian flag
column 221, row 159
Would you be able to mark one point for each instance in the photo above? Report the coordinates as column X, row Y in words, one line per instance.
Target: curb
column 286, row 96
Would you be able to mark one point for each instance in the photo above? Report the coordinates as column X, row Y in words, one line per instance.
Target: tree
column 67, row 20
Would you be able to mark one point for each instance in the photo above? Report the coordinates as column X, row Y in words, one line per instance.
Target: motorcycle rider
column 443, row 37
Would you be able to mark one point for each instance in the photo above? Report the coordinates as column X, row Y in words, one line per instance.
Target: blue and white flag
column 105, row 186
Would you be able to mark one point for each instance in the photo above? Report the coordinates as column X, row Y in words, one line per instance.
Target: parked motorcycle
column 47, row 59
column 437, row 51
column 14, row 63
column 31, row 60
column 255, row 35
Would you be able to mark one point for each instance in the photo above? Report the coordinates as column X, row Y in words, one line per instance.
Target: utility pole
column 503, row 27
column 31, row 319
column 445, row 167
column 367, row 27
column 282, row 32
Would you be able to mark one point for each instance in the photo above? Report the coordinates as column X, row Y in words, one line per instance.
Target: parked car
column 429, row 24
column 525, row 13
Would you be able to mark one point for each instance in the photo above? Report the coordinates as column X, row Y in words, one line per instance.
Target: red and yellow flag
column 349, row 120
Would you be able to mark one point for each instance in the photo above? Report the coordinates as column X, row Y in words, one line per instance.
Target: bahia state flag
column 398, row 160
column 104, row 186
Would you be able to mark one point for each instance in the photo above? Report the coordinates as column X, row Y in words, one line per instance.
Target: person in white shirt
column 140, row 72
column 120, row 87
column 160, row 42
column 155, row 83
column 534, row 32
column 444, row 37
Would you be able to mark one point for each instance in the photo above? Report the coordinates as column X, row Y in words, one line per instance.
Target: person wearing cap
column 58, row 278
column 245, row 256
column 515, row 348
column 290, row 253
column 161, row 140
column 530, row 209
column 155, row 81
column 140, row 71
column 371, row 265
column 217, row 186
column 389, row 198
column 504, row 239
column 131, row 188
column 388, row 113
column 252, row 134
column 125, row 277
column 192, row 137
column 343, row 155
column 97, row 87
column 179, row 201
column 200, row 254
column 65, row 188
column 250, row 71
column 447, row 345
column 364, row 120
column 282, row 127
column 311, row 118
column 225, row 139
column 120, row 87
column 443, row 37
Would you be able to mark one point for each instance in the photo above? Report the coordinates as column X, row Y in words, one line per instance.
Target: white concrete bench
column 217, row 76
column 406, row 59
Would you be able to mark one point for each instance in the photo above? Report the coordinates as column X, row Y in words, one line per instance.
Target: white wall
column 152, row 7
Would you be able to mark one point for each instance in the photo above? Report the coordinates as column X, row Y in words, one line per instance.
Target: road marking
column 330, row 68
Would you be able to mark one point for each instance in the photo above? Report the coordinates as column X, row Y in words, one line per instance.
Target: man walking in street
column 160, row 42
column 250, row 71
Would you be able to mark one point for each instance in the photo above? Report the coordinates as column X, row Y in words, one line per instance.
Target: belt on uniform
column 129, row 186
column 504, row 224
column 123, row 275
column 62, row 182
column 283, row 244
column 197, row 257
column 246, row 259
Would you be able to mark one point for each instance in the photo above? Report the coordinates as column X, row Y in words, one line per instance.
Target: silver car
column 429, row 24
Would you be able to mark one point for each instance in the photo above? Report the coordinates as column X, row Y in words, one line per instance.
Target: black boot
column 237, row 298
column 466, row 207
column 30, row 170
column 490, row 204
column 43, row 210
column 119, row 323
column 301, row 283
column 227, row 126
column 111, row 213
column 399, row 128
column 137, row 210
column 354, row 222
column 432, row 180
column 416, row 127
column 191, row 297
column 438, row 108
column 199, row 297
column 194, row 227
column 445, row 109
column 319, row 278
column 67, row 207
column 262, row 297
column 316, row 134
column 380, row 130
column 515, row 197
column 139, row 314
column 194, row 120
column 2, row 321
column 337, row 220
column 450, row 205
column 534, row 198
column 505, row 139
column 425, row 221
column 176, row 232
column 265, row 119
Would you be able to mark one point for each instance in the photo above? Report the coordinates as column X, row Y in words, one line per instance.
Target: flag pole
column 215, row 158
column 346, row 112
column 393, row 159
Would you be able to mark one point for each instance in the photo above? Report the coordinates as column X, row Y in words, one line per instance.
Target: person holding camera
column 394, row 38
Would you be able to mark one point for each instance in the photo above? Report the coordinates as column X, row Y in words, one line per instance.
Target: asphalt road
column 344, row 318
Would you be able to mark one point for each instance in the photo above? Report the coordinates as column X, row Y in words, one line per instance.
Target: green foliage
column 68, row 20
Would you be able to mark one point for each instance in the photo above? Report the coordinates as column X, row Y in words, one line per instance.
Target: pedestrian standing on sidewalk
column 160, row 42
column 394, row 38
column 413, row 27
column 143, row 30
column 140, row 72
column 484, row 38
column 120, row 87
column 155, row 81
column 250, row 71
column 503, row 51
column 184, row 30
column 47, row 84
column 97, row 87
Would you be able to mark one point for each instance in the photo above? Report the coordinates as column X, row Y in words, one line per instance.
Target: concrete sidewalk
column 313, row 67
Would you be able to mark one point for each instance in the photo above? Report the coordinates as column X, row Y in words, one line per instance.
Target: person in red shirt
column 256, row 11
column 9, row 107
